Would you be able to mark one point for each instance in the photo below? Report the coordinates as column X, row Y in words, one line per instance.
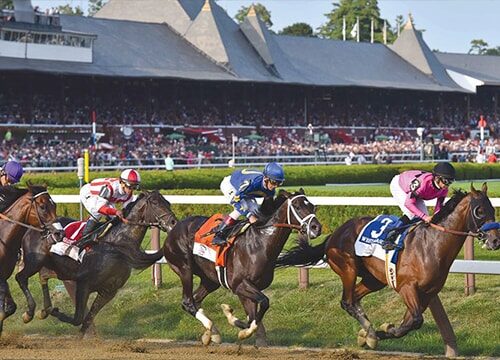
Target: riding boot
column 89, row 234
column 390, row 241
column 223, row 231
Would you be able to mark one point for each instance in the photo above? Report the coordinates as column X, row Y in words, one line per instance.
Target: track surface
column 39, row 348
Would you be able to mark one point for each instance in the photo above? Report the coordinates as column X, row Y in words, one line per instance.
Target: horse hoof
column 44, row 313
column 206, row 337
column 362, row 337
column 372, row 342
column 27, row 317
column 215, row 337
column 246, row 333
column 261, row 343
column 226, row 309
column 385, row 327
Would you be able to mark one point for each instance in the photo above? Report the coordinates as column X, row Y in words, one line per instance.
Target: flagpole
column 343, row 28
column 385, row 32
column 357, row 22
column 371, row 34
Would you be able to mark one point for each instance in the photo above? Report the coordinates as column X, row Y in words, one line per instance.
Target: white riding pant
column 400, row 197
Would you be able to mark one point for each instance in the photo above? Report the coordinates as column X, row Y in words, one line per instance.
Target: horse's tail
column 137, row 258
column 302, row 255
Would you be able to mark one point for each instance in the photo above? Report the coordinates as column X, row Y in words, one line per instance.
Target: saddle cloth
column 73, row 231
column 372, row 236
column 203, row 241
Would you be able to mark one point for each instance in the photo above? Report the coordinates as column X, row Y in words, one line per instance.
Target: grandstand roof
column 482, row 67
column 196, row 39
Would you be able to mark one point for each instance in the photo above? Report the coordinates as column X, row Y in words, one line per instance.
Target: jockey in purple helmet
column 241, row 188
column 11, row 173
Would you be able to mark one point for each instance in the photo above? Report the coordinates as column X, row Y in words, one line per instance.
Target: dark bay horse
column 422, row 267
column 105, row 268
column 32, row 206
column 250, row 261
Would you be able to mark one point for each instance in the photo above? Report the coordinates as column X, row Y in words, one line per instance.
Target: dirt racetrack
column 40, row 348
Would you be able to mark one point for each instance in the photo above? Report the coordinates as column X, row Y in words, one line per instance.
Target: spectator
column 169, row 163
column 492, row 158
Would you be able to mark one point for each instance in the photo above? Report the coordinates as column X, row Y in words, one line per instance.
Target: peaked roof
column 411, row 46
column 176, row 13
column 205, row 35
column 482, row 67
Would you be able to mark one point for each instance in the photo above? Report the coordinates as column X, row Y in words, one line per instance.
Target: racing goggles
column 447, row 181
column 275, row 182
column 133, row 186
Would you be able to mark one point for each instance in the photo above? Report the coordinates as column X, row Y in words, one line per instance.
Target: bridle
column 44, row 228
column 304, row 223
column 478, row 233
column 160, row 223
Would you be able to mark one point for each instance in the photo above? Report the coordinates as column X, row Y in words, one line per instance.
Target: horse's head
column 152, row 208
column 301, row 212
column 42, row 208
column 482, row 216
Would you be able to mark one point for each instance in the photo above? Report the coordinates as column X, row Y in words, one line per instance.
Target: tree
column 6, row 4
column 478, row 46
column 68, row 10
column 298, row 29
column 493, row 51
column 95, row 6
column 261, row 11
column 366, row 10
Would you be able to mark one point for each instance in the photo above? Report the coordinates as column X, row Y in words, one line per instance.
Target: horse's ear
column 284, row 193
column 301, row 190
column 472, row 188
column 484, row 189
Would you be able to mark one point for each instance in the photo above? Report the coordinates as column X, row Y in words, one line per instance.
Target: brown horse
column 250, row 261
column 21, row 208
column 422, row 267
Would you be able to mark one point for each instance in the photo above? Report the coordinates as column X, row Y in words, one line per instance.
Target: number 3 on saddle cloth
column 372, row 236
column 217, row 254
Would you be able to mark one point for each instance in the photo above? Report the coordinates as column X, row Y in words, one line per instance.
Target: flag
column 343, row 29
column 354, row 31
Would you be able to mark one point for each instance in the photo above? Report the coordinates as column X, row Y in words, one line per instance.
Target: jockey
column 411, row 188
column 241, row 188
column 11, row 173
column 100, row 195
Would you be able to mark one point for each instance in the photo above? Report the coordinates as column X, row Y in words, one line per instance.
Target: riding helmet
column 445, row 170
column 130, row 177
column 274, row 171
column 13, row 170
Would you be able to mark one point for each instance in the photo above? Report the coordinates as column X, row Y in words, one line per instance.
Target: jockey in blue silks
column 241, row 189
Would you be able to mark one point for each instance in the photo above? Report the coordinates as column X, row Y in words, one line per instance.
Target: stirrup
column 388, row 245
column 219, row 241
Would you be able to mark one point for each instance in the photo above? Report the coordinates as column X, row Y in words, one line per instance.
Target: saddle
column 203, row 239
column 73, row 231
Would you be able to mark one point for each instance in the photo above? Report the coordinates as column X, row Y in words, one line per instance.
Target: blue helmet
column 13, row 170
column 274, row 171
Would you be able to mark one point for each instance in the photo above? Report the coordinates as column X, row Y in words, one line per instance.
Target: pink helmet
column 130, row 177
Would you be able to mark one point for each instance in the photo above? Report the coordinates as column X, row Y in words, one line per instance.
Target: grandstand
column 163, row 67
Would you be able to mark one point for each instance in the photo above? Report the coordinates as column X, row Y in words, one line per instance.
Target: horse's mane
column 450, row 205
column 8, row 195
column 130, row 206
column 270, row 205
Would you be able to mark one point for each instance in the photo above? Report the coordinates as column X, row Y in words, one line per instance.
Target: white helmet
column 131, row 178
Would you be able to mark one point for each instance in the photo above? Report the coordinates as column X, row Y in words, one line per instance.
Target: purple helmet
column 13, row 170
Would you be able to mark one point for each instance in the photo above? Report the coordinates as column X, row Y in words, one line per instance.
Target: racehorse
column 105, row 268
column 20, row 208
column 250, row 261
column 422, row 267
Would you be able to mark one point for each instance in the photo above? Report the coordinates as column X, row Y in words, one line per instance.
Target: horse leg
column 260, row 333
column 4, row 288
column 47, row 302
column 102, row 298
column 413, row 318
column 185, row 273
column 249, row 292
column 205, row 288
column 31, row 267
column 82, row 297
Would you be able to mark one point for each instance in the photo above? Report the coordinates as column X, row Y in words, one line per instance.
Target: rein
column 290, row 226
column 6, row 218
column 455, row 232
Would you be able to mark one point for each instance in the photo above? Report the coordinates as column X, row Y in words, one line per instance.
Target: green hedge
column 295, row 175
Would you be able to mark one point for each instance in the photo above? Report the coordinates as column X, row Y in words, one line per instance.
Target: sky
column 449, row 25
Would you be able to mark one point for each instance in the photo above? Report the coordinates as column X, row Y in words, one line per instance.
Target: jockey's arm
column 411, row 204
column 439, row 205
